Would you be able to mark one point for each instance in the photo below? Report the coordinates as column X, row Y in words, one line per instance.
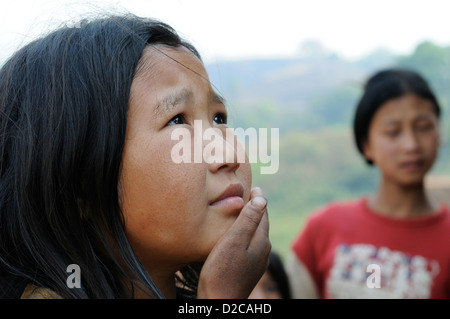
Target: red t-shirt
column 353, row 252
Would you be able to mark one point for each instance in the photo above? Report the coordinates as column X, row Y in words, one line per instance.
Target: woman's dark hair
column 63, row 106
column 382, row 87
column 278, row 273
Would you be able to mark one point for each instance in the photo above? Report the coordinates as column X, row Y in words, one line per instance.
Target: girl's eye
column 425, row 127
column 220, row 118
column 177, row 120
column 393, row 133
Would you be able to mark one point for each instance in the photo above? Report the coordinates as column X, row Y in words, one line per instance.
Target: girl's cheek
column 390, row 150
column 433, row 147
column 245, row 175
column 436, row 142
column 388, row 147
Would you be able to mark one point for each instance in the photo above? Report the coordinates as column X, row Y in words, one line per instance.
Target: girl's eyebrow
column 390, row 122
column 172, row 99
column 217, row 98
column 420, row 117
column 423, row 116
column 175, row 98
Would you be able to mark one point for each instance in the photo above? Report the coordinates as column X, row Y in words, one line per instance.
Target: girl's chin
column 411, row 182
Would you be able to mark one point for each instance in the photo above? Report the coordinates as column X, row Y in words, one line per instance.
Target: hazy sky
column 235, row 29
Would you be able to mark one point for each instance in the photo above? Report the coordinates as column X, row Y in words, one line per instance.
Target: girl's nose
column 410, row 141
column 221, row 151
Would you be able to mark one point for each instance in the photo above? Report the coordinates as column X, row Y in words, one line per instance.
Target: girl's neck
column 400, row 201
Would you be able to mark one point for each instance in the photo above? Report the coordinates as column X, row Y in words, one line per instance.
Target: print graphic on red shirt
column 340, row 240
column 401, row 275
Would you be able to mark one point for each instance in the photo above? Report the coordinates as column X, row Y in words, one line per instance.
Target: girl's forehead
column 168, row 76
column 405, row 108
column 156, row 58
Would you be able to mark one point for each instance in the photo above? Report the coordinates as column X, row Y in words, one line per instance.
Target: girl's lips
column 233, row 202
column 412, row 165
column 231, row 197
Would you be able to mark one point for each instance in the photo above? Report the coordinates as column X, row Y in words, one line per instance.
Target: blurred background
column 294, row 65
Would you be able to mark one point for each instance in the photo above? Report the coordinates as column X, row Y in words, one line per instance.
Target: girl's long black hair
column 63, row 115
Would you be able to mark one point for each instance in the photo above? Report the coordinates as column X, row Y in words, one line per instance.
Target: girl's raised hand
column 240, row 257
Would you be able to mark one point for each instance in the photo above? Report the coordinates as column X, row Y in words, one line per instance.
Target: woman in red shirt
column 390, row 244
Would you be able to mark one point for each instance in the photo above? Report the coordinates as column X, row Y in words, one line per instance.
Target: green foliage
column 315, row 168
column 433, row 62
column 334, row 108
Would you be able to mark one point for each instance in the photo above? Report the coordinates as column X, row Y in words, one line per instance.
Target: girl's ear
column 367, row 150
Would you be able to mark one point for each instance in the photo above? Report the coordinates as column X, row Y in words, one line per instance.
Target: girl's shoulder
column 34, row 292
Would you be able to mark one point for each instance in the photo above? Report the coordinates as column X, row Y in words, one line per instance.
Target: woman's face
column 403, row 139
column 173, row 212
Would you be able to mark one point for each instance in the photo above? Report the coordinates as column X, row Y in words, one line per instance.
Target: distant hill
column 315, row 89
column 308, row 85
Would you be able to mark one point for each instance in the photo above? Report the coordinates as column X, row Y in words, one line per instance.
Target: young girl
column 87, row 180
column 393, row 244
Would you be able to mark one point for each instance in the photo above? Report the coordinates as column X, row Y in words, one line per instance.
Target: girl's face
column 403, row 139
column 173, row 212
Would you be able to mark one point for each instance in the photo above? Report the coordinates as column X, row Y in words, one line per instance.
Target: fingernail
column 259, row 202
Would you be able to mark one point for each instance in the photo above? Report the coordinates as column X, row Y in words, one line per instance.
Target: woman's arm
column 302, row 284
